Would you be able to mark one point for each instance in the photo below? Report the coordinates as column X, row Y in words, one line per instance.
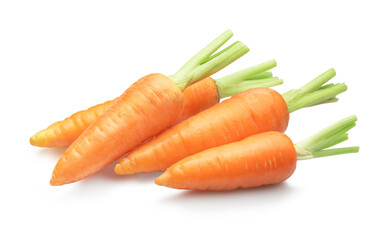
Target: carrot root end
column 55, row 182
column 119, row 169
column 163, row 180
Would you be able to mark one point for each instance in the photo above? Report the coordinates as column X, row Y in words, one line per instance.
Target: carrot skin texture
column 145, row 109
column 64, row 133
column 247, row 113
column 262, row 159
column 198, row 97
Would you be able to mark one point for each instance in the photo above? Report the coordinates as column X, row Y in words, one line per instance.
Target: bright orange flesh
column 145, row 109
column 262, row 159
column 198, row 97
column 247, row 113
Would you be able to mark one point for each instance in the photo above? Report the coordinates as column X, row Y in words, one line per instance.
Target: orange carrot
column 145, row 109
column 247, row 113
column 63, row 133
column 262, row 159
column 198, row 97
column 128, row 122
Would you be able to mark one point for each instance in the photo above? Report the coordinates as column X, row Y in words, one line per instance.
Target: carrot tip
column 34, row 141
column 119, row 169
column 163, row 180
column 39, row 139
column 55, row 182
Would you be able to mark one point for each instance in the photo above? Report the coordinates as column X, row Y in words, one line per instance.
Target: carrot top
column 318, row 145
column 207, row 62
column 252, row 77
column 314, row 92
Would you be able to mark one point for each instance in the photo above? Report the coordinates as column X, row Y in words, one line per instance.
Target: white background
column 58, row 57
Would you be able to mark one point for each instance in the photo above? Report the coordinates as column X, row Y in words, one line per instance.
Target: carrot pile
column 198, row 97
column 248, row 113
column 176, row 124
column 261, row 159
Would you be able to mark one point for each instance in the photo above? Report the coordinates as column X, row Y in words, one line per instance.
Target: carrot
column 198, row 97
column 63, row 133
column 145, row 109
column 262, row 159
column 247, row 113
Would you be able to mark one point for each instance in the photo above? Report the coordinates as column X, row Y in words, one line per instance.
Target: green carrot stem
column 331, row 100
column 202, row 65
column 336, row 151
column 261, row 76
column 312, row 86
column 221, row 61
column 315, row 145
column 315, row 98
column 246, row 73
column 314, row 92
column 204, row 53
column 316, row 83
column 326, row 86
column 338, row 140
column 240, row 81
column 317, row 141
column 330, row 152
column 218, row 53
column 230, row 90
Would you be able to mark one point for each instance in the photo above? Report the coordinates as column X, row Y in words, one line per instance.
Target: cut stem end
column 317, row 145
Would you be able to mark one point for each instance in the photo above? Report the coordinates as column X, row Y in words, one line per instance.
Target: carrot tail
column 318, row 144
column 63, row 133
column 314, row 92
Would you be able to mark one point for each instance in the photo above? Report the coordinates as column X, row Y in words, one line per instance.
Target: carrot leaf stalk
column 314, row 92
column 234, row 88
column 318, row 144
column 252, row 77
column 318, row 97
column 261, row 76
column 207, row 62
